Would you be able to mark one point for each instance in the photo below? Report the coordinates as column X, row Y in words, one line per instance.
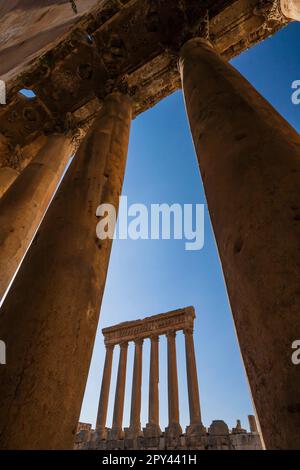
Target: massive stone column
column 174, row 428
column 196, row 426
column 116, row 432
column 249, row 158
column 104, row 394
column 152, row 428
column 291, row 9
column 50, row 315
column 7, row 177
column 136, row 396
column 23, row 205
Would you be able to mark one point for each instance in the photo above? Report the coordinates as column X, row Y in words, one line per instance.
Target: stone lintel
column 156, row 325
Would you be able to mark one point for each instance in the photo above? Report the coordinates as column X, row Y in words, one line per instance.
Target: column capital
column 109, row 346
column 139, row 341
column 171, row 334
column 154, row 338
column 123, row 345
column 189, row 331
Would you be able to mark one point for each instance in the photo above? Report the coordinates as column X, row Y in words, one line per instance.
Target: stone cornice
column 123, row 47
column 161, row 324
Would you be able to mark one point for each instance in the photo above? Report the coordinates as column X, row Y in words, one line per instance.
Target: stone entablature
column 161, row 324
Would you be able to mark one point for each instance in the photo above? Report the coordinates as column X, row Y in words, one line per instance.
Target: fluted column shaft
column 104, row 394
column 7, row 177
column 116, row 431
column 173, row 402
column 136, row 395
column 50, row 315
column 249, row 158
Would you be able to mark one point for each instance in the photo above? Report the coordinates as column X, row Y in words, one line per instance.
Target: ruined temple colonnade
column 138, row 331
column 249, row 158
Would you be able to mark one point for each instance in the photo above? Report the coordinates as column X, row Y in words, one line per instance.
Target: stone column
column 23, row 205
column 174, row 428
column 136, row 396
column 116, row 432
column 50, row 315
column 290, row 9
column 7, row 177
column 252, row 423
column 104, row 394
column 196, row 426
column 249, row 158
column 152, row 428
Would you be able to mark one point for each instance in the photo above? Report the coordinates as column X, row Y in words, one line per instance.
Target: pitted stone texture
column 50, row 315
column 249, row 158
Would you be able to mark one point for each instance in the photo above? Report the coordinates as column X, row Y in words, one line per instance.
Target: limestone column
column 50, row 315
column 116, row 432
column 249, row 158
column 152, row 428
column 174, row 428
column 7, row 177
column 252, row 424
column 104, row 394
column 136, row 395
column 290, row 9
column 23, row 205
column 196, row 426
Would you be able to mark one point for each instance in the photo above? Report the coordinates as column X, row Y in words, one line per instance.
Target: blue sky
column 149, row 277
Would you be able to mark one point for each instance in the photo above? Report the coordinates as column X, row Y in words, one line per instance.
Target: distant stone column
column 24, row 203
column 7, row 177
column 196, row 426
column 249, row 158
column 252, row 423
column 290, row 9
column 136, row 396
column 116, row 432
column 104, row 395
column 50, row 316
column 152, row 428
column 174, row 428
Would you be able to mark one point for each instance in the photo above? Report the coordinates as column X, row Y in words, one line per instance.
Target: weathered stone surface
column 291, row 9
column 249, row 158
column 50, row 315
column 23, row 205
column 104, row 395
column 7, row 177
column 218, row 428
column 118, row 44
column 208, row 441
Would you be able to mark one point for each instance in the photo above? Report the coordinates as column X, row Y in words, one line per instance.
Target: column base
column 173, row 430
column 195, row 429
column 152, row 430
column 101, row 434
column 115, row 434
column 133, row 433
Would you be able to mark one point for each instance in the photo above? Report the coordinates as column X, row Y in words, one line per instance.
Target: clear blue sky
column 150, row 277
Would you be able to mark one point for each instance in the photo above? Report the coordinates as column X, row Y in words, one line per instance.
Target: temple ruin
column 196, row 436
column 74, row 79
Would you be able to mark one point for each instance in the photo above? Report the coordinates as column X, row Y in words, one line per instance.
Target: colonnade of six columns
column 152, row 428
column 249, row 158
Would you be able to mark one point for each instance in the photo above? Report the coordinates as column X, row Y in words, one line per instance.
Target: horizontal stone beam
column 155, row 325
column 125, row 47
